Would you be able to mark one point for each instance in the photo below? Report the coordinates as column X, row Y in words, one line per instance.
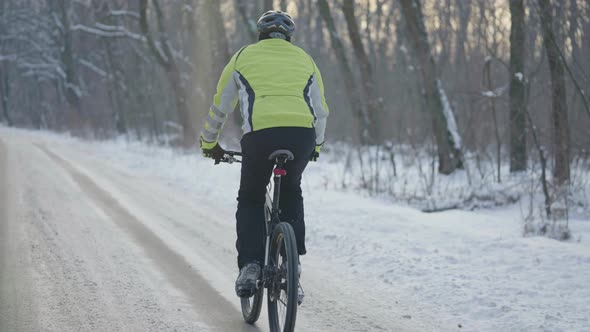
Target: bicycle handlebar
column 229, row 157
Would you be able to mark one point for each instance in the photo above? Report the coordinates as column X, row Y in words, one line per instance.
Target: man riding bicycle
column 281, row 99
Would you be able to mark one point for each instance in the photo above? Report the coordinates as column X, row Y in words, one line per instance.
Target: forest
column 489, row 87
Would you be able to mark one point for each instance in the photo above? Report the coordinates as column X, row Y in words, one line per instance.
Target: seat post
column 278, row 171
column 279, row 157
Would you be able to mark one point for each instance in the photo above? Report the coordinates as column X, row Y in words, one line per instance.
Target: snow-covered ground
column 408, row 174
column 446, row 271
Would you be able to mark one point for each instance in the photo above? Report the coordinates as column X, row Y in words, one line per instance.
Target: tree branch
column 145, row 29
column 108, row 31
column 124, row 13
column 567, row 68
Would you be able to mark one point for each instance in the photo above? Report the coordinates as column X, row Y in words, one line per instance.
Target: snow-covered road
column 75, row 259
column 89, row 246
column 126, row 237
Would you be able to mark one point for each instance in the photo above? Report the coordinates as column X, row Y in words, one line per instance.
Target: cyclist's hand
column 216, row 152
column 316, row 153
column 314, row 156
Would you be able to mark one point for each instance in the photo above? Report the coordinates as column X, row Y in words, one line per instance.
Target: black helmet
column 276, row 21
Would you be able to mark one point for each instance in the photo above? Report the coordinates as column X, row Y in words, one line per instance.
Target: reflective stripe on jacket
column 276, row 84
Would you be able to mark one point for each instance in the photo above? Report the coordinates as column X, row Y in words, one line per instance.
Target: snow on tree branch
column 93, row 67
column 495, row 93
column 10, row 57
column 48, row 70
column 108, row 31
column 57, row 22
column 124, row 13
column 74, row 88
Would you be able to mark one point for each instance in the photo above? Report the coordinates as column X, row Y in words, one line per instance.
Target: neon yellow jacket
column 276, row 84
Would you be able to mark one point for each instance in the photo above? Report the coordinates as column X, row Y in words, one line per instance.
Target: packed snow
column 469, row 270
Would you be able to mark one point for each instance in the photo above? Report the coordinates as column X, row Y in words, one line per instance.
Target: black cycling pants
column 256, row 173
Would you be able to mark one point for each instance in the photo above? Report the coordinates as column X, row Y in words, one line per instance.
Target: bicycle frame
column 278, row 172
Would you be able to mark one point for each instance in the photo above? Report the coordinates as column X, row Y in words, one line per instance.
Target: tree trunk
column 490, row 87
column 165, row 58
column 464, row 14
column 374, row 104
column 118, row 112
column 442, row 34
column 518, row 148
column 349, row 80
column 67, row 57
column 221, row 49
column 213, row 40
column 561, row 144
column 32, row 96
column 112, row 81
column 574, row 25
column 443, row 121
column 249, row 22
column 5, row 95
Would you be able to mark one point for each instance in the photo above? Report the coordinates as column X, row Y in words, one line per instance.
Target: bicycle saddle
column 286, row 154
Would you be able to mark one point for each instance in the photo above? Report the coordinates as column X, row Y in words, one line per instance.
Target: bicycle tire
column 282, row 292
column 252, row 306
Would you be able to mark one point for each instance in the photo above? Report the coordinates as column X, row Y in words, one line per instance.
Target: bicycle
column 280, row 275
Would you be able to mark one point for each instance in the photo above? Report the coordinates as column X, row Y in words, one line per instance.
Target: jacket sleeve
column 224, row 102
column 318, row 100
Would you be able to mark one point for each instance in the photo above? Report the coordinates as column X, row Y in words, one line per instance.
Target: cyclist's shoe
column 247, row 281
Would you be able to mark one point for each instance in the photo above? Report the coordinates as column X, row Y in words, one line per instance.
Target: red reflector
column 280, row 171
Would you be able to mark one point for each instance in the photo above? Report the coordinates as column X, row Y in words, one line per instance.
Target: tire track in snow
column 208, row 303
column 17, row 310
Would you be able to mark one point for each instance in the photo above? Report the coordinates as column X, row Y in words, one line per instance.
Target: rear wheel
column 282, row 291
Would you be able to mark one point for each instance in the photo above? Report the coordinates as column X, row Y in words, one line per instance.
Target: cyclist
column 281, row 99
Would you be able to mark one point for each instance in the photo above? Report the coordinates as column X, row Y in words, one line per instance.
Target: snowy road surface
column 86, row 247
column 124, row 237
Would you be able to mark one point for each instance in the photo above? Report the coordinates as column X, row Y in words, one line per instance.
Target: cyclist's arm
column 224, row 102
column 319, row 105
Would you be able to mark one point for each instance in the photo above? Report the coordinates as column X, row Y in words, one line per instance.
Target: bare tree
column 247, row 19
column 518, row 148
column 464, row 14
column 162, row 51
column 443, row 121
column 5, row 94
column 4, row 81
column 373, row 102
column 349, row 80
column 561, row 143
column 73, row 91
